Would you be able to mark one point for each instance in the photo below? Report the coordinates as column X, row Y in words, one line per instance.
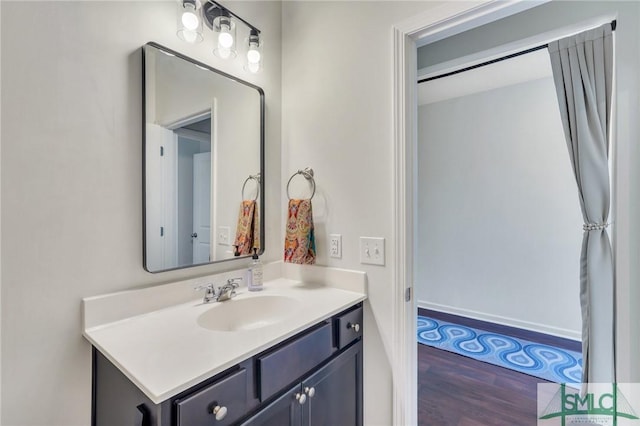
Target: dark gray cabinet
column 224, row 401
column 283, row 365
column 285, row 410
column 330, row 396
column 335, row 391
column 311, row 379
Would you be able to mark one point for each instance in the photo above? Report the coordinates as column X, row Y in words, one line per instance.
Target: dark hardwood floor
column 454, row 390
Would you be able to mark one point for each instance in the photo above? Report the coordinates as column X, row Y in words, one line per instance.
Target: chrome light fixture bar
column 222, row 22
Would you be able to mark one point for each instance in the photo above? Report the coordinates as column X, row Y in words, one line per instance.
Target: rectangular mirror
column 203, row 185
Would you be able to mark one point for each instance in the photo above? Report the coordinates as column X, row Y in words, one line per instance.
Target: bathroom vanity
column 289, row 355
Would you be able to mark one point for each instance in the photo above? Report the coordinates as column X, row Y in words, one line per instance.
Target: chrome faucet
column 209, row 293
column 228, row 290
column 220, row 294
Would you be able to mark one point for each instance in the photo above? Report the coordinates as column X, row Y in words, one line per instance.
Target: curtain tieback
column 595, row 226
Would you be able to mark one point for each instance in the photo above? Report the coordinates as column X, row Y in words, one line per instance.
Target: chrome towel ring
column 257, row 179
column 307, row 173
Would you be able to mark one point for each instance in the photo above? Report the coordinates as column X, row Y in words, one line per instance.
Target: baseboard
column 497, row 319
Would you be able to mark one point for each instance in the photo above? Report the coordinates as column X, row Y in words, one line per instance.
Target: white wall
column 549, row 18
column 499, row 222
column 0, row 224
column 337, row 118
column 72, row 183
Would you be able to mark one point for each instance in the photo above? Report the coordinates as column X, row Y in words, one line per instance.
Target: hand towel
column 299, row 241
column 248, row 229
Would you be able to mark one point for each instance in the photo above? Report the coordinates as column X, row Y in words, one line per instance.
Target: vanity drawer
column 287, row 363
column 229, row 393
column 348, row 327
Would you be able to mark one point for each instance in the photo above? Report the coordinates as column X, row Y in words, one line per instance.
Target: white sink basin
column 248, row 314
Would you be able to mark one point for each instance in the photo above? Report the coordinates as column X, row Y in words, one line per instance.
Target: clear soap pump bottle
column 254, row 274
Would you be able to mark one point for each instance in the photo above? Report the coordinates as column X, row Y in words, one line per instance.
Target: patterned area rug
column 542, row 361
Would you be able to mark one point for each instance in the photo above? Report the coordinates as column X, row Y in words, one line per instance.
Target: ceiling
column 528, row 67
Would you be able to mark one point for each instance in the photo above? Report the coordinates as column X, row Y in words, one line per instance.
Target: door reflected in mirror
column 203, row 149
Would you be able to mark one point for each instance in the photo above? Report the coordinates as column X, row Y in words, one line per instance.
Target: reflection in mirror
column 203, row 148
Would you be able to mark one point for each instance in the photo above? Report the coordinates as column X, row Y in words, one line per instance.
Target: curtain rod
column 493, row 61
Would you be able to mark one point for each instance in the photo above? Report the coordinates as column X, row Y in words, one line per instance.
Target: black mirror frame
column 144, row 139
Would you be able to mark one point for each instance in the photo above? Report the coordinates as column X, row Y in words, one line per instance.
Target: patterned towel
column 248, row 229
column 299, row 240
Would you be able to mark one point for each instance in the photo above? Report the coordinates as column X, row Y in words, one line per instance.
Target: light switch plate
column 372, row 250
column 224, row 235
column 335, row 245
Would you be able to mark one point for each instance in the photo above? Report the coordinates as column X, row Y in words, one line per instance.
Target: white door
column 160, row 193
column 201, row 207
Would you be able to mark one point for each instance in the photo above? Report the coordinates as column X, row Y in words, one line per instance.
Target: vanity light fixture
column 189, row 21
column 254, row 54
column 226, row 29
column 191, row 14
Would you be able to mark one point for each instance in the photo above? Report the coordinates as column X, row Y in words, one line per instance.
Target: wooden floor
column 454, row 390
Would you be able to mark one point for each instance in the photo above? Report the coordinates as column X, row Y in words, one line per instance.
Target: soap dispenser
column 254, row 274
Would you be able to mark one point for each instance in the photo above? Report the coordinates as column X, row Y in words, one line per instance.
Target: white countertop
column 165, row 351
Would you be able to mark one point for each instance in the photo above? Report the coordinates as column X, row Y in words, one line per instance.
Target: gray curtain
column 583, row 71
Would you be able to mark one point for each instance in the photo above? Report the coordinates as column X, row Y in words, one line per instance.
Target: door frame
column 440, row 22
column 433, row 25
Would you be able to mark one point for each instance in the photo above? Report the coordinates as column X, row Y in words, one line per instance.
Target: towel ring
column 257, row 179
column 307, row 173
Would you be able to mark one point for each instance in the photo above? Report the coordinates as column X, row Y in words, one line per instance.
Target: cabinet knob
column 354, row 327
column 301, row 398
column 220, row 412
column 310, row 391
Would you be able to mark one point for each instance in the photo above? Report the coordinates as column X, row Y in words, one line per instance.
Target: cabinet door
column 284, row 411
column 334, row 393
column 221, row 403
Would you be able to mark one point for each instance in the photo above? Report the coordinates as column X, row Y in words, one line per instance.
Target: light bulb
column 225, row 39
column 223, row 52
column 253, row 67
column 190, row 36
column 253, row 55
column 189, row 17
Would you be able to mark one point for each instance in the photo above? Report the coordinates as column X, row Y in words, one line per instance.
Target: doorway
column 498, row 236
column 498, row 215
column 405, row 125
column 193, row 190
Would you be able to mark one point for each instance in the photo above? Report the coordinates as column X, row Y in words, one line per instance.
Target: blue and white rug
column 542, row 361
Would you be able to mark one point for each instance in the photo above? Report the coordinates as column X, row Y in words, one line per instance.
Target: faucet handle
column 204, row 287
column 233, row 282
column 210, row 293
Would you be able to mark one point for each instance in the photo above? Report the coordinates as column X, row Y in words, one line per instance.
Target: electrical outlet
column 224, row 235
column 372, row 250
column 335, row 245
